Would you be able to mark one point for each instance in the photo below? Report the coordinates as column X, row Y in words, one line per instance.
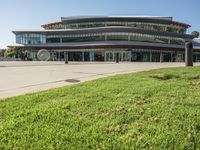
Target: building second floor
column 100, row 34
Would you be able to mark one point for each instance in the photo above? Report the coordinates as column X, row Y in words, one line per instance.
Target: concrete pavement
column 17, row 78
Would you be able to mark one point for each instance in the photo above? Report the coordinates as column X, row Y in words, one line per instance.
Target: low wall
column 9, row 59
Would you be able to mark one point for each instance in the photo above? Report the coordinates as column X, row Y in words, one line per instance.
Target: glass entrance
column 56, row 56
column 167, row 57
column 112, row 56
column 179, row 57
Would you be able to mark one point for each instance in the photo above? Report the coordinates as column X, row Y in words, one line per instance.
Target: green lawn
column 157, row 109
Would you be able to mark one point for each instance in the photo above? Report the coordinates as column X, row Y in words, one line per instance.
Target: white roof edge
column 43, row 30
column 82, row 17
column 196, row 39
column 15, row 45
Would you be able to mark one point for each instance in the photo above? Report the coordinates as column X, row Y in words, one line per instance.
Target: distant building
column 196, row 46
column 196, row 43
column 91, row 38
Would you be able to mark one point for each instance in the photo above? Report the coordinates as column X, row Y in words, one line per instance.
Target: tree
column 2, row 51
column 195, row 33
column 11, row 52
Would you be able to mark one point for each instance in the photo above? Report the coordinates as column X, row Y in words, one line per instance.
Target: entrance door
column 155, row 57
column 109, row 56
column 123, row 56
column 179, row 58
column 53, row 56
column 99, row 56
column 86, row 56
column 167, row 57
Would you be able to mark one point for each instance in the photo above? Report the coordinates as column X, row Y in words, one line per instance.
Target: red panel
column 52, row 24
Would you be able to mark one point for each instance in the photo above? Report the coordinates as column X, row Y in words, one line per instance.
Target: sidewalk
column 19, row 78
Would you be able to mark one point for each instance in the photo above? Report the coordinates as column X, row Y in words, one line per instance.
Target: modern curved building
column 102, row 38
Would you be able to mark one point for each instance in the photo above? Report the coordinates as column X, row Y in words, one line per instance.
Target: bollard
column 117, row 58
column 188, row 54
column 66, row 57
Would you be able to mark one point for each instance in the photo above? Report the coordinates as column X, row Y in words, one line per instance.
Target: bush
column 11, row 52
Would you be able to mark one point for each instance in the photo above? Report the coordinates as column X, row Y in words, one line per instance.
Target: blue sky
column 31, row 14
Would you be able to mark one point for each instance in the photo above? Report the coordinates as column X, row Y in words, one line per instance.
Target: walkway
column 17, row 78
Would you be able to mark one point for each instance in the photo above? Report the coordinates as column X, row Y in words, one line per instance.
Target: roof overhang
column 147, row 19
column 108, row 44
column 16, row 45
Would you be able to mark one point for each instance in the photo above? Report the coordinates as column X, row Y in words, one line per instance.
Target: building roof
column 88, row 17
column 150, row 19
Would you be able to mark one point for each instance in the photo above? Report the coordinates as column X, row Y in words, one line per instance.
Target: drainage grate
column 72, row 80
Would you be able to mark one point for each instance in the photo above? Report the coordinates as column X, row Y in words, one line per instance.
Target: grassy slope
column 120, row 112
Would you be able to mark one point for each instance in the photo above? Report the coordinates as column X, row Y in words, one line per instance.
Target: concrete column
column 129, row 37
column 105, row 37
column 130, row 56
column 150, row 56
column 165, row 28
column 117, row 57
column 196, row 57
column 91, row 56
column 188, row 54
column 122, row 56
column 59, row 55
column 171, row 57
column 83, row 57
column 66, row 57
column 161, row 57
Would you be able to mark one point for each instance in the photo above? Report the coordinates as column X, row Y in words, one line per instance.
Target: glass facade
column 30, row 38
column 139, row 25
column 35, row 39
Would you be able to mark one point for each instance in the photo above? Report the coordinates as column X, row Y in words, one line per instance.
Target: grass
column 157, row 109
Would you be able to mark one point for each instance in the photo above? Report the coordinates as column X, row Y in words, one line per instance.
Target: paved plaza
column 27, row 77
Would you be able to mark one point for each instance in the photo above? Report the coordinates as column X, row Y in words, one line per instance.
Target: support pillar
column 161, row 57
column 91, row 56
column 150, row 56
column 188, row 54
column 66, row 57
column 129, row 37
column 196, row 58
column 130, row 56
column 83, row 57
column 117, row 57
column 171, row 57
column 106, row 37
column 59, row 56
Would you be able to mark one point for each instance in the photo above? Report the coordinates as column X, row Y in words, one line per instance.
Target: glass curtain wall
column 114, row 36
column 140, row 25
column 35, row 39
column 30, row 38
